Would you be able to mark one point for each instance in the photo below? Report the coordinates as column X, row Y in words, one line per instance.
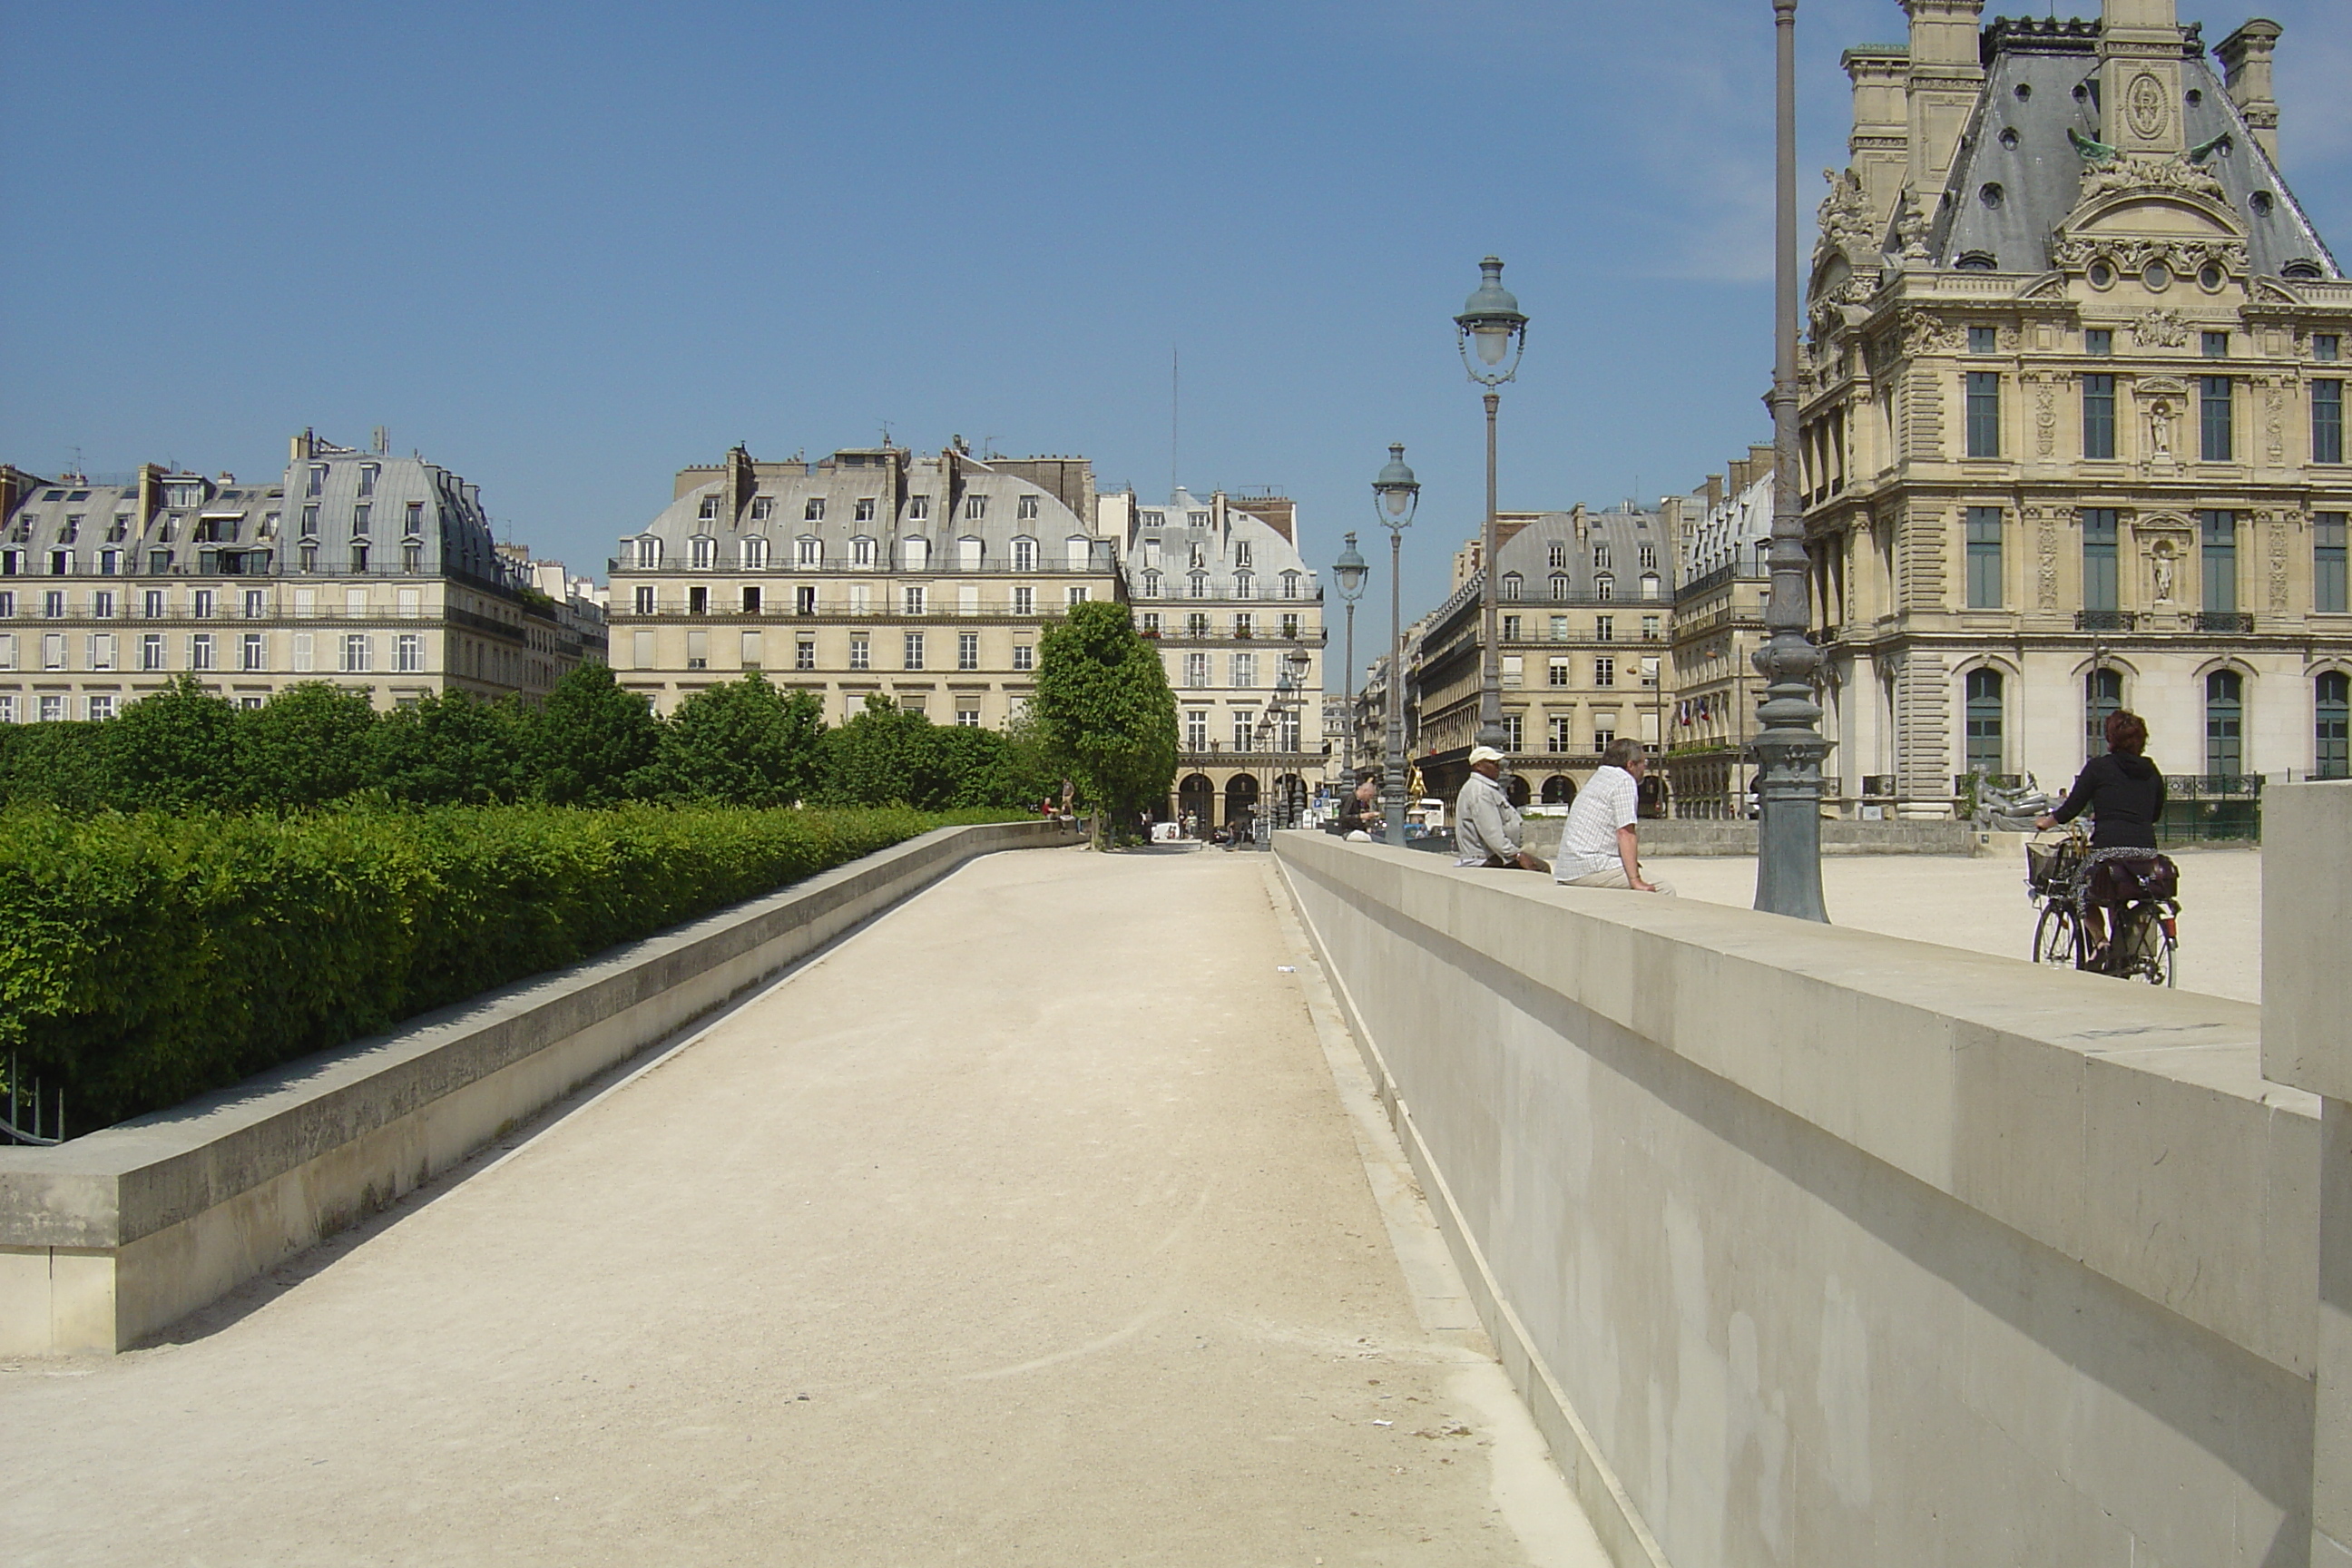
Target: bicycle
column 2143, row 925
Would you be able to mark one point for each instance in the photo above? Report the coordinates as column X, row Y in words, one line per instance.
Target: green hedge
column 147, row 958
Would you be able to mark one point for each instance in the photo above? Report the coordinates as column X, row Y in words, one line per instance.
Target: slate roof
column 1621, row 532
column 1169, row 529
column 2043, row 82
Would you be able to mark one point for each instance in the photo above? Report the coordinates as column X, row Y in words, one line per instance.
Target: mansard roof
column 1167, row 535
column 1622, row 530
column 2018, row 173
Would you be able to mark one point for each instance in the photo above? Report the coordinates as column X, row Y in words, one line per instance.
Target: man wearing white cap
column 1600, row 843
column 1486, row 828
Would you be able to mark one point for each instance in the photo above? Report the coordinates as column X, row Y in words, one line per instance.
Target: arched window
column 1559, row 585
column 2225, row 724
column 1604, row 586
column 1984, row 754
column 1290, row 584
column 2332, row 714
column 968, row 553
column 808, row 551
column 914, row 555
column 2103, row 693
column 1024, row 554
column 705, row 550
column 1151, row 585
column 755, row 553
column 1559, row 790
column 1512, row 583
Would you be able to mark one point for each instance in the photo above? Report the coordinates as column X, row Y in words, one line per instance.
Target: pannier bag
column 2130, row 879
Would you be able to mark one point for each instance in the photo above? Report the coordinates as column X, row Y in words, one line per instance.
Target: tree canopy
column 1105, row 709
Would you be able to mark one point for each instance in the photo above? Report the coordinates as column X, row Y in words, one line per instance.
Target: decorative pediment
column 2138, row 210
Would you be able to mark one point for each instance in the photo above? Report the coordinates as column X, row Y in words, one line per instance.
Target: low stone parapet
column 112, row 1236
column 1815, row 1246
column 1666, row 838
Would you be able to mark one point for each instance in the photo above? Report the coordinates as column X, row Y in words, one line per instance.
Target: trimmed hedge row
column 147, row 958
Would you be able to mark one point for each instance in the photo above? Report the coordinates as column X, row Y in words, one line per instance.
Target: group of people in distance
column 1600, row 845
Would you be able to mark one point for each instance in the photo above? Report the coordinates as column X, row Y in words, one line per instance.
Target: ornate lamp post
column 1350, row 570
column 1398, row 497
column 1492, row 332
column 1788, row 747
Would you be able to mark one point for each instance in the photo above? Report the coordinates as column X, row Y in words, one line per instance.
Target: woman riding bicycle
column 2125, row 794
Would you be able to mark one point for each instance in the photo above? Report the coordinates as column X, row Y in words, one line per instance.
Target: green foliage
column 309, row 744
column 52, row 763
column 744, row 743
column 887, row 755
column 174, row 751
column 1105, row 709
column 591, row 743
column 144, row 959
column 451, row 749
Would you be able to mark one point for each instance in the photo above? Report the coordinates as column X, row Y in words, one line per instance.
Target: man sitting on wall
column 1486, row 829
column 1599, row 846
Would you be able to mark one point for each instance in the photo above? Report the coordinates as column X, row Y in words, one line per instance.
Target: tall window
column 1557, row 733
column 755, row 553
column 967, row 651
column 2225, row 714
column 254, row 652
column 704, row 552
column 1559, row 585
column 1196, row 669
column 914, row 650
column 912, row 596
column 2213, row 418
column 1196, row 730
column 1025, row 601
column 861, row 653
column 2099, row 591
column 2327, row 583
column 1243, row 670
column 2103, row 693
column 1513, row 732
column 1604, row 671
column 1984, row 413
column 1984, row 754
column 2327, row 421
column 2220, row 539
column 1512, row 584
column 1984, row 558
column 2332, row 711
column 356, row 652
column 408, row 653
column 645, row 599
column 2099, row 417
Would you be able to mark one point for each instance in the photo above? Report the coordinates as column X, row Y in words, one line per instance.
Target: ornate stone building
column 1717, row 625
column 376, row 573
column 1238, row 615
column 925, row 580
column 2073, row 412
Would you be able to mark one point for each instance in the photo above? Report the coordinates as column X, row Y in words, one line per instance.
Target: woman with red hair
column 2124, row 793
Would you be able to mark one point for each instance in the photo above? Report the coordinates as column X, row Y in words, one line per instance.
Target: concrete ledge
column 1825, row 1247
column 1668, row 838
column 112, row 1236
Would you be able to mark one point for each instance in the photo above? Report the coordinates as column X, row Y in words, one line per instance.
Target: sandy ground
column 1028, row 1227
column 1980, row 905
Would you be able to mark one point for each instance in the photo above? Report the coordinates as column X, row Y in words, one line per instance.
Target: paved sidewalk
column 1025, row 1227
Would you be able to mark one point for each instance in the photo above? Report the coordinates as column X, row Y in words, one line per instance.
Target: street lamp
column 1349, row 568
column 1493, row 333
column 1788, row 747
column 1397, row 497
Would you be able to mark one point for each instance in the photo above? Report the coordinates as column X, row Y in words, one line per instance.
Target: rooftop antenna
column 885, row 435
column 383, row 442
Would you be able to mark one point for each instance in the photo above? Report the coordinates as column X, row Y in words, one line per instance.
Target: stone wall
column 110, row 1238
column 1815, row 1248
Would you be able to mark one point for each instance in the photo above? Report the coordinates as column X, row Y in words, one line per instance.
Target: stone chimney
column 2245, row 55
column 736, row 488
column 1879, row 149
column 2139, row 78
column 1760, row 461
column 1946, row 68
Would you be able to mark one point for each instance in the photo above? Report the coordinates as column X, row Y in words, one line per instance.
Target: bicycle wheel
column 2148, row 952
column 2055, row 936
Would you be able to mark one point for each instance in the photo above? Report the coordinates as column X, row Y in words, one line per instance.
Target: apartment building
column 927, row 580
column 376, row 573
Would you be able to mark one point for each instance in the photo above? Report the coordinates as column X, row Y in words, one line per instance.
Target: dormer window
column 648, row 554
column 412, row 526
column 1151, row 585
column 861, row 550
column 755, row 552
column 1197, row 519
column 1601, row 557
column 1558, row 555
column 1512, row 584
column 1028, row 508
column 808, row 550
column 1605, row 587
column 918, row 509
column 1241, row 555
column 1244, row 585
column 1559, row 585
column 1155, row 520
column 318, row 484
column 1024, row 554
column 709, row 510
column 1290, row 584
column 864, row 509
column 1976, row 261
column 975, row 507
column 914, row 555
column 814, row 511
column 1197, row 585
column 2301, row 272
column 763, row 508
column 368, row 472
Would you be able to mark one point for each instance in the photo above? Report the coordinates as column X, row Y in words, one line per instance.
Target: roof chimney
column 1760, row 461
column 1947, row 69
column 1878, row 147
column 2245, row 55
column 2139, row 77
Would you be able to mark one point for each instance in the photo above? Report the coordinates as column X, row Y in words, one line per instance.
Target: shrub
column 744, row 743
column 145, row 959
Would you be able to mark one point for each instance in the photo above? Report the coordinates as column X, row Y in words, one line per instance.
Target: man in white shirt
column 1600, row 846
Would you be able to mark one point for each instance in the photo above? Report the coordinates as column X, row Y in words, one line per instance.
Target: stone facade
column 2071, row 419
column 1719, row 624
column 376, row 573
column 925, row 580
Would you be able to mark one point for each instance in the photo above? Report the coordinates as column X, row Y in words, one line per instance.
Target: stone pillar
column 1940, row 91
column 2307, row 997
column 2245, row 57
column 2139, row 72
column 1879, row 147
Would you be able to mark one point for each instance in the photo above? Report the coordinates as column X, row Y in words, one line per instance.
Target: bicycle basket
column 2048, row 866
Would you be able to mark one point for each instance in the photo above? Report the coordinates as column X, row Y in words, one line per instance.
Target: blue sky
column 564, row 249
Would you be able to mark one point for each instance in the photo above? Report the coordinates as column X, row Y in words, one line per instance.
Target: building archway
column 1653, row 795
column 1517, row 789
column 1240, row 799
column 1289, row 803
column 1559, row 790
column 1196, row 797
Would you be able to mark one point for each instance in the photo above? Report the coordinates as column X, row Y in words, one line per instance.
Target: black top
column 2125, row 795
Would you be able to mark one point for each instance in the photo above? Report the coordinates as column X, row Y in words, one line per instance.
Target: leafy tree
column 309, row 744
column 884, row 756
column 56, row 763
column 171, row 752
column 744, row 743
column 1105, row 709
column 449, row 750
column 591, row 743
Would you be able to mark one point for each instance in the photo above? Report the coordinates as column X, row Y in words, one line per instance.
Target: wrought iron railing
column 32, row 1115
column 2106, row 620
column 2238, row 622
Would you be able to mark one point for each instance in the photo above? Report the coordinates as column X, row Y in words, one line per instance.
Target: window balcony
column 2232, row 622
column 2106, row 620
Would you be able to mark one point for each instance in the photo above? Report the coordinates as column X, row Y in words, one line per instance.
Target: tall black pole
column 1789, row 746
